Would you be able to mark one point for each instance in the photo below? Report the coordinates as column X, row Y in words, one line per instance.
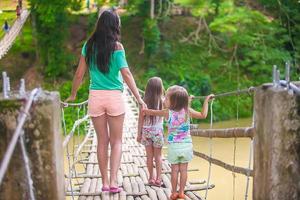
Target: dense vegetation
column 218, row 46
column 225, row 45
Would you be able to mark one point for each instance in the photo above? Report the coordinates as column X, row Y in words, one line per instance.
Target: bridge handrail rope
column 73, row 159
column 65, row 104
column 75, row 125
column 249, row 91
column 210, row 149
column 250, row 160
column 17, row 134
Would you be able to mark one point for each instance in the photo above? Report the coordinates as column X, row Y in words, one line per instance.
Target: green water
column 223, row 149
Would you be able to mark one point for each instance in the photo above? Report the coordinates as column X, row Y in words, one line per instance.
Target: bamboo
column 220, row 163
column 224, row 133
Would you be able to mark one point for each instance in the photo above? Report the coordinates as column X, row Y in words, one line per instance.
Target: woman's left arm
column 77, row 80
column 129, row 80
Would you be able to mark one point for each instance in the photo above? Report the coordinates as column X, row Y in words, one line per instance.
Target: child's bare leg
column 158, row 162
column 183, row 177
column 149, row 153
column 174, row 177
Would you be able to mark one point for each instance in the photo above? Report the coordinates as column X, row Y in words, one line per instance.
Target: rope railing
column 76, row 124
column 73, row 157
column 249, row 91
column 65, row 104
column 18, row 132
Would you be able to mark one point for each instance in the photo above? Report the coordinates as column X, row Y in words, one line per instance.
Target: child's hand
column 210, row 97
column 139, row 138
column 191, row 98
column 144, row 111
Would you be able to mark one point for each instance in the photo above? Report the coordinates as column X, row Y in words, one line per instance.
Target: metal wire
column 210, row 150
column 27, row 168
column 67, row 150
column 232, row 93
column 249, row 166
column 73, row 104
column 10, row 149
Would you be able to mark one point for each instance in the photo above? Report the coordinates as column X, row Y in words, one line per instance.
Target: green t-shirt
column 107, row 81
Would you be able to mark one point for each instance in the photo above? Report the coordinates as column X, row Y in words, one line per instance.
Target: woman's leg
column 100, row 125
column 174, row 177
column 149, row 153
column 158, row 162
column 115, row 131
column 183, row 177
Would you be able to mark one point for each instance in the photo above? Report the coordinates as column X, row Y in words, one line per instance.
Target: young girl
column 180, row 148
column 150, row 129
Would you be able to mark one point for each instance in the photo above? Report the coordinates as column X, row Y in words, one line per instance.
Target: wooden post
column 276, row 144
column 43, row 144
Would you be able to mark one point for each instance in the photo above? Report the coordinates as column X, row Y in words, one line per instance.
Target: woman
column 105, row 58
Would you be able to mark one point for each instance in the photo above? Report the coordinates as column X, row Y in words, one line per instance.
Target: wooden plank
column 224, row 133
column 220, row 163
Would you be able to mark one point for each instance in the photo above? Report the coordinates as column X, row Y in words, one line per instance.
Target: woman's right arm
column 129, row 80
column 77, row 80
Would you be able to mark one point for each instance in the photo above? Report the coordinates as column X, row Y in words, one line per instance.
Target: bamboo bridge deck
column 133, row 174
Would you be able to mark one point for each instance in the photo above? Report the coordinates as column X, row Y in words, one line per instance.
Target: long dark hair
column 103, row 40
column 153, row 96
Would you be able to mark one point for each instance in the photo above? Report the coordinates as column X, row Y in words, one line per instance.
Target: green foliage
column 288, row 13
column 151, row 36
column 236, row 49
column 76, row 5
column 50, row 20
column 10, row 17
column 139, row 7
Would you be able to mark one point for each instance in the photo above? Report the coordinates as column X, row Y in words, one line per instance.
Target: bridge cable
column 210, row 149
column 237, row 124
column 68, row 153
column 250, row 160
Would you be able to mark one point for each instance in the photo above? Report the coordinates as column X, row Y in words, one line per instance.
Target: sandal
column 174, row 196
column 151, row 181
column 115, row 190
column 181, row 196
column 158, row 183
column 105, row 189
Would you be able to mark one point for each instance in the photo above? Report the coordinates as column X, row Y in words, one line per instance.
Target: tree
column 50, row 24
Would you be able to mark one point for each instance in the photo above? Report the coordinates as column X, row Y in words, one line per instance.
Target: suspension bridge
column 32, row 150
column 9, row 38
column 82, row 180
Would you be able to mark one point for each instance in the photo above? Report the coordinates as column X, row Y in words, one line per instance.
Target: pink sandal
column 115, row 190
column 105, row 189
column 158, row 183
column 151, row 181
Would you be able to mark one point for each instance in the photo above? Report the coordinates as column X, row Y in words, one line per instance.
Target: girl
column 150, row 129
column 103, row 55
column 180, row 148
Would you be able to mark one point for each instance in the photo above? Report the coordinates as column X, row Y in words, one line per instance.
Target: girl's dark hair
column 153, row 96
column 103, row 40
column 179, row 98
